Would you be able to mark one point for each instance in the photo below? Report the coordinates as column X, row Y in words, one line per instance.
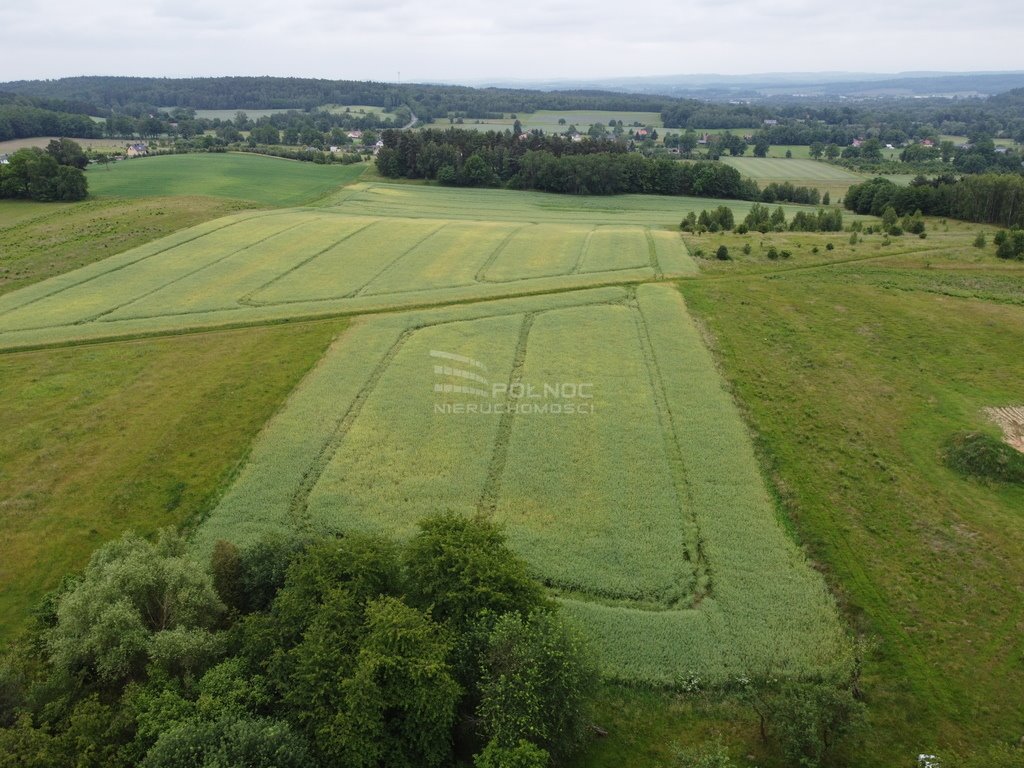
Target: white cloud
column 462, row 40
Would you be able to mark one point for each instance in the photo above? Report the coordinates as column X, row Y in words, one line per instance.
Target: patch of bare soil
column 1010, row 418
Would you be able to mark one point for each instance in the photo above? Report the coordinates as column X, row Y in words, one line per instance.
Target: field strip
column 394, row 263
column 307, row 310
column 187, row 275
column 702, row 586
column 246, row 298
column 488, row 502
column 299, row 503
column 493, row 256
column 44, row 290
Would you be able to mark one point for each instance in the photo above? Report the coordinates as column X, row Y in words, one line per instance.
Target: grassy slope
column 99, row 439
column 40, row 240
column 850, row 423
column 265, row 180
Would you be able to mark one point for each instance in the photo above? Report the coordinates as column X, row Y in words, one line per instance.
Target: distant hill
column 790, row 84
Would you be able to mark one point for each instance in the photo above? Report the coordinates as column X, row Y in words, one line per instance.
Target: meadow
column 263, row 180
column 617, row 510
column 102, row 438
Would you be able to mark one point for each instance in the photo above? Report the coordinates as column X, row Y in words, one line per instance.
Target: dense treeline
column 427, row 101
column 20, row 121
column 550, row 164
column 45, row 176
column 986, row 198
column 347, row 651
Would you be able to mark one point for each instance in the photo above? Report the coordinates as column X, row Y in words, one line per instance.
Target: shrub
column 980, row 455
column 522, row 755
column 772, row 253
column 742, row 229
column 830, row 247
column 746, row 249
column 979, row 241
column 722, row 254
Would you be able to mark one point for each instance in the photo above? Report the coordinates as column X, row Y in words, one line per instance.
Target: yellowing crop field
column 595, row 427
column 260, row 266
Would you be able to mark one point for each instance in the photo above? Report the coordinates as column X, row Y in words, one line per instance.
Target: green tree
column 67, row 152
column 228, row 742
column 979, row 241
column 536, row 683
column 477, row 173
column 761, row 146
column 399, row 704
column 111, row 624
column 817, row 149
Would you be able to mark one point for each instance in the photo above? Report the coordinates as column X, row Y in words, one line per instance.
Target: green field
column 264, row 180
column 547, row 121
column 100, row 439
column 617, row 510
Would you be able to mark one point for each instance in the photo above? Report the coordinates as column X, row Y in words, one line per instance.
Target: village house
column 355, row 135
column 4, row 159
column 136, row 150
column 770, row 122
column 927, row 143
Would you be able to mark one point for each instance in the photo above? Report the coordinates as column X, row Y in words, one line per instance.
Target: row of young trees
column 350, row 651
column 762, row 219
column 46, row 175
column 986, row 198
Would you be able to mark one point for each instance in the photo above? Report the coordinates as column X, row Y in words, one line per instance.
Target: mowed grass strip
column 100, row 439
column 265, row 180
column 589, row 498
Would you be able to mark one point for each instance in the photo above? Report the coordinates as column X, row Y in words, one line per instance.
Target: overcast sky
column 461, row 41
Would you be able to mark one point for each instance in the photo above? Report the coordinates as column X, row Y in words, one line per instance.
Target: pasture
column 264, row 180
column 623, row 509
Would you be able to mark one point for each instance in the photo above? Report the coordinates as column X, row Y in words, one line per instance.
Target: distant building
column 355, row 134
column 705, row 138
column 576, row 137
column 136, row 150
column 927, row 143
column 378, row 147
column 856, row 142
column 641, row 133
column 770, row 122
column 5, row 159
